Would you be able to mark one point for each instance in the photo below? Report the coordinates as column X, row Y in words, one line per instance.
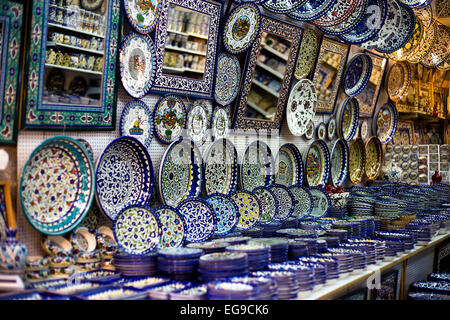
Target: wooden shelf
column 261, row 111
column 266, row 88
column 269, row 69
column 74, row 69
column 62, row 45
column 189, row 34
column 275, row 52
column 186, row 50
column 59, row 26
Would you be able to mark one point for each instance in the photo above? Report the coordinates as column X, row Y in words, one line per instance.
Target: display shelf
column 275, row 52
column 62, row 45
column 189, row 34
column 257, row 108
column 266, row 88
column 73, row 69
column 181, row 70
column 198, row 53
column 272, row 71
column 59, row 26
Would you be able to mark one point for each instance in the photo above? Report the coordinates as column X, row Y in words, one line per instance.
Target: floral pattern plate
column 268, row 202
column 142, row 15
column 249, row 209
column 317, row 164
column 339, row 162
column 310, row 128
column 289, row 165
column 350, row 23
column 304, row 202
column 197, row 123
column 124, row 176
column 398, row 80
column 200, row 219
column 411, row 45
column 357, row 161
column 339, row 12
column 226, row 211
column 364, row 129
column 57, row 185
column 307, row 54
column 285, row 199
column 331, row 128
column 283, row 6
column 348, row 118
column 173, row 227
column 374, row 158
column 220, row 123
column 321, row 131
column 228, row 78
column 440, row 50
column 321, row 202
column 301, row 107
column 426, row 44
column 170, row 118
column 311, row 10
column 257, row 166
column 357, row 74
column 385, row 122
column 136, row 121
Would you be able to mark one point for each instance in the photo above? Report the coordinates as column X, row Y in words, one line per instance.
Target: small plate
column 200, row 219
column 339, row 162
column 285, row 199
column 220, row 123
column 321, row 131
column 226, row 211
column 304, row 202
column 269, row 204
column 289, row 165
column 283, row 6
column 311, row 10
column 384, row 124
column 317, row 164
column 331, row 128
column 228, row 79
column 257, row 168
column 348, row 118
column 364, row 129
column 310, row 128
column 173, row 227
column 142, row 15
column 321, row 201
column 357, row 161
column 374, row 158
column 249, row 209
column 301, row 106
column 170, row 118
column 197, row 123
column 137, row 121
column 357, row 74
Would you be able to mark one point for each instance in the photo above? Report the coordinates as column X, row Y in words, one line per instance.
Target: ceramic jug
column 13, row 254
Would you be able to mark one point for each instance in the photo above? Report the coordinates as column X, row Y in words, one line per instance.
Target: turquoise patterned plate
column 322, row 202
column 173, row 227
column 249, row 209
column 289, row 165
column 257, row 166
column 226, row 211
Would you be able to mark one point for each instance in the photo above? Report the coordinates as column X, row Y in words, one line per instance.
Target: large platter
column 173, row 227
column 357, row 74
column 313, row 9
column 357, row 161
column 170, row 118
column 57, row 185
column 339, row 12
column 124, row 176
column 304, row 202
column 249, row 209
column 374, row 158
column 268, row 202
column 180, row 172
column 350, row 23
column 384, row 124
column 221, row 168
column 348, row 118
column 226, row 211
column 257, row 166
column 289, row 165
column 307, row 54
column 321, row 202
column 283, row 6
column 398, row 80
column 426, row 44
column 142, row 15
column 317, row 164
column 137, row 121
column 440, row 51
column 340, row 155
column 200, row 219
column 301, row 106
column 197, row 123
column 228, row 79
column 285, row 199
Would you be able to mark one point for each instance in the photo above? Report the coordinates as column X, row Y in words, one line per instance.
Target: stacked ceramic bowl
column 332, row 242
column 227, row 290
column 84, row 243
column 304, row 274
column 442, row 276
column 163, row 291
column 331, row 264
column 278, row 248
column 297, row 249
column 179, row 263
column 319, row 270
column 344, row 261
column 37, row 268
column 339, row 203
column 344, row 225
column 359, row 257
column 312, row 245
column 341, row 234
column 221, row 265
column 209, row 246
column 361, row 202
column 107, row 246
column 61, row 259
column 405, row 238
column 435, row 287
column 287, row 283
column 368, row 247
column 258, row 255
column 267, row 287
column 136, row 265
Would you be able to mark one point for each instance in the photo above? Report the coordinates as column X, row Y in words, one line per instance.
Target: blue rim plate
column 311, row 10
column 249, row 209
column 321, row 131
column 338, row 13
column 323, row 166
column 339, row 162
column 170, row 118
column 200, row 219
column 285, row 199
column 350, row 23
column 269, row 204
column 173, row 227
column 385, row 131
column 289, row 165
column 321, row 208
column 348, row 118
column 228, row 79
column 331, row 128
column 137, row 121
column 143, row 22
column 180, row 253
column 250, row 1
column 257, row 166
column 226, row 211
column 303, row 204
column 357, row 74
column 283, row 6
column 220, row 122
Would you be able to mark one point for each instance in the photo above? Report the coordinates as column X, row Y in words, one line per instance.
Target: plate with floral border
column 304, row 202
column 339, row 162
column 200, row 219
column 321, row 202
column 350, row 23
column 285, row 199
column 301, row 106
column 226, row 211
column 310, row 129
column 331, row 128
column 137, row 121
column 307, row 54
column 440, row 50
column 220, row 123
column 228, row 79
column 170, row 118
column 142, row 15
column 339, row 12
column 289, row 165
column 197, row 123
column 374, row 158
column 269, row 204
column 357, row 161
column 321, row 131
column 348, row 118
column 311, row 10
column 384, row 124
column 249, row 209
column 173, row 227
column 357, row 74
column 398, row 80
column 317, row 163
column 426, row 44
column 283, row 6
column 257, row 166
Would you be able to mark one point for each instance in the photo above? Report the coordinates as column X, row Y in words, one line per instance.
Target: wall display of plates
column 304, row 202
column 124, row 176
column 321, row 131
column 242, row 27
column 283, row 6
column 137, row 121
column 56, row 200
column 317, row 164
column 285, row 199
column 220, row 123
column 289, row 165
column 257, row 166
column 180, row 172
column 200, row 219
column 374, row 158
column 331, row 128
column 228, row 79
column 338, row 13
column 310, row 129
column 440, row 50
column 249, row 209
column 357, row 74
column 301, row 107
column 350, row 23
column 348, row 118
column 313, row 9
column 357, row 161
column 398, row 80
column 137, row 230
column 340, row 155
column 268, row 202
column 142, row 15
column 364, row 129
column 221, row 168
column 226, row 211
column 173, row 227
column 321, row 202
column 197, row 123
column 307, row 54
column 426, row 43
column 170, row 117
column 384, row 124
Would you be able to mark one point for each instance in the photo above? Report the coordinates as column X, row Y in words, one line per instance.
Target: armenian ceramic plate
column 307, row 54
column 301, row 107
column 321, row 131
column 398, row 80
column 124, row 176
column 310, row 128
column 440, row 50
column 317, row 164
column 221, row 168
column 197, row 123
column 339, row 162
column 228, row 78
column 364, row 129
column 426, row 44
column 137, row 64
column 285, row 199
column 136, row 121
column 385, row 122
column 425, row 14
column 321, row 202
column 249, row 209
column 173, row 227
column 137, row 230
column 348, row 118
column 374, row 158
column 170, row 118
column 331, row 128
column 303, row 204
column 313, row 9
column 88, row 147
column 357, row 161
column 357, row 74
column 339, row 12
column 350, row 23
column 403, row 53
column 226, row 211
column 220, row 123
column 242, row 28
column 57, row 185
column 268, row 202
column 143, row 15
column 283, row 6
column 257, row 166
column 200, row 219
column 289, row 165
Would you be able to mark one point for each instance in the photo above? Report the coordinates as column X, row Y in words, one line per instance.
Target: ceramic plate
column 398, row 80
column 268, row 202
column 321, row 202
column 311, row 10
column 170, row 118
column 289, row 165
column 307, row 54
column 257, row 166
column 440, row 51
column 220, row 123
column 404, row 52
column 57, row 185
column 180, row 172
column 226, row 211
column 249, row 209
column 301, row 107
column 142, row 15
column 425, row 14
column 137, row 230
column 283, row 6
column 241, row 28
column 321, row 131
column 285, row 199
column 137, row 121
column 221, row 168
column 374, row 158
column 137, row 64
column 310, row 128
column 339, row 162
column 173, row 227
column 317, row 164
column 385, row 122
column 339, row 12
column 331, row 128
column 426, row 44
column 304, row 202
column 88, row 147
column 416, row 3
column 357, row 74
column 197, row 123
column 348, row 24
column 228, row 78
column 357, row 161
column 200, row 219
column 348, row 118
column 364, row 129
column 445, row 65
column 124, row 176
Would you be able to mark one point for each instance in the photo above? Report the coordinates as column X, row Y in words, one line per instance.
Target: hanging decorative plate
column 170, row 117
column 307, row 54
column 415, row 3
column 321, row 202
column 331, row 128
column 228, row 78
column 357, row 161
column 142, row 14
column 339, row 162
column 173, row 227
column 310, row 128
column 221, row 168
column 364, row 129
column 137, row 230
column 91, row 4
column 137, row 64
column 357, row 74
column 348, row 118
column 374, row 158
column 268, row 202
column 426, row 44
column 250, row 1
column 440, row 50
column 321, row 131
column 257, row 168
column 339, row 12
column 313, row 9
column 445, row 65
column 220, row 123
column 413, row 43
column 197, row 123
column 242, row 27
column 283, row 6
column 425, row 14
column 180, row 172
column 57, row 185
column 350, row 23
column 398, row 80
column 317, row 164
column 136, row 121
column 88, row 147
column 124, row 176
column 200, row 219
column 249, row 209
column 301, row 107
column 226, row 211
column 385, row 122
column 289, row 165
column 285, row 201
column 304, row 202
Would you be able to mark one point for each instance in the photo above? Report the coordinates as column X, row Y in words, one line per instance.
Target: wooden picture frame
column 389, row 285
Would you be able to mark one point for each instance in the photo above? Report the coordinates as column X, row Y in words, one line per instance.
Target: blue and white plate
column 220, row 123
column 226, row 211
column 137, row 121
column 143, row 16
column 285, row 201
column 289, row 165
column 331, row 128
column 200, row 219
column 322, row 202
column 357, row 74
column 269, row 204
column 350, row 23
column 340, row 155
column 257, row 166
column 321, row 131
column 283, row 6
column 311, row 10
column 173, row 227
column 385, row 122
column 348, row 118
column 249, row 209
column 304, row 202
column 228, row 79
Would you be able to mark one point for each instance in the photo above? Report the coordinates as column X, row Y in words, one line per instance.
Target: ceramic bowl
column 34, row 263
column 339, row 200
column 82, row 267
column 107, row 253
column 82, row 240
column 35, row 275
column 62, row 272
column 57, row 245
column 85, row 256
column 61, row 261
column 105, row 238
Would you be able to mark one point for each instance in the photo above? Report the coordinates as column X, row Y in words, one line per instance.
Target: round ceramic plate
column 268, row 202
column 283, row 6
column 364, row 129
column 348, row 118
column 173, row 227
column 137, row 64
column 57, row 185
column 307, row 54
column 124, row 176
column 304, row 202
column 180, row 172
column 220, row 123
column 317, row 164
column 88, row 147
column 416, row 3
column 404, row 52
column 357, row 74
column 374, row 158
column 440, row 50
column 331, row 128
column 228, row 78
column 226, row 211
column 221, row 168
column 301, row 106
column 385, row 122
column 350, row 23
column 197, row 123
column 321, row 202
column 137, row 230
column 398, row 80
column 143, row 15
column 310, row 128
column 311, row 10
column 285, row 201
column 249, row 209
column 289, row 165
column 257, row 166
column 425, row 14
column 357, row 161
column 321, row 131
column 91, row 4
column 426, row 44
column 339, row 162
column 170, row 118
column 445, row 65
column 339, row 12
column 136, row 121
column 200, row 219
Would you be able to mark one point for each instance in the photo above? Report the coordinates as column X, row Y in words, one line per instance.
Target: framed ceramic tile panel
column 432, row 134
column 405, row 133
column 72, row 64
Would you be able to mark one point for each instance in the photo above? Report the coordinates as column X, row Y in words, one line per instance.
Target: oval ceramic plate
column 142, row 15
column 91, row 4
column 249, row 209
column 136, row 121
column 310, row 128
column 88, row 147
column 228, row 78
column 311, row 10
column 173, row 227
column 357, row 74
column 226, row 211
column 357, row 161
column 374, row 158
column 348, row 118
column 348, row 24
column 57, row 185
column 304, row 202
column 426, row 44
column 385, row 122
column 339, row 12
column 285, row 199
column 137, row 64
column 268, row 202
column 317, row 164
column 364, row 129
column 170, row 118
column 289, row 165
column 307, row 54
column 440, row 51
column 339, row 162
column 283, row 6
column 124, row 176
column 301, row 106
column 398, row 80
column 220, row 123
column 321, row 202
column 331, row 128
column 197, row 123
column 321, row 131
column 221, row 168
column 200, row 219
column 180, row 172
column 257, row 166
column 425, row 14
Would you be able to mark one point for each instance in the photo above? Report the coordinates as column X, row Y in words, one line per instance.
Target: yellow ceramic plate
column 357, row 161
column 374, row 158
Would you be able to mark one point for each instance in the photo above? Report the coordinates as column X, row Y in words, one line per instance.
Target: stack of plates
column 221, row 265
column 367, row 247
column 179, row 263
column 278, row 248
column 227, row 290
column 287, row 284
column 291, row 222
column 322, row 245
column 312, row 246
column 436, row 287
column 255, row 232
column 332, row 242
column 297, row 249
column 406, row 238
column 209, row 246
column 344, row 258
column 342, row 234
column 344, row 225
column 319, row 270
column 310, row 225
column 331, row 263
column 393, row 247
column 303, row 273
column 361, row 204
column 270, row 229
column 385, row 208
column 443, row 276
column 295, row 233
column 427, row 296
column 233, row 239
column 163, row 292
column 195, row 292
column 134, row 265
column 267, row 287
column 258, row 255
